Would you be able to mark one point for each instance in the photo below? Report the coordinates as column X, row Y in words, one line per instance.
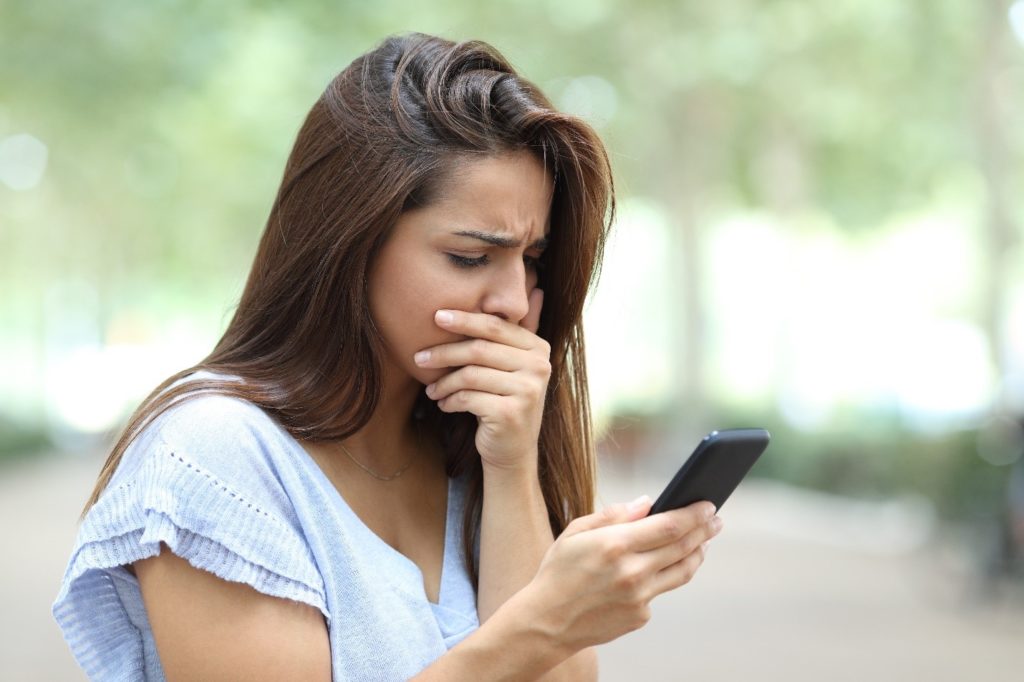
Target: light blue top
column 228, row 489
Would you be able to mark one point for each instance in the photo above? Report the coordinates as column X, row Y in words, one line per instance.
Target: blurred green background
column 819, row 231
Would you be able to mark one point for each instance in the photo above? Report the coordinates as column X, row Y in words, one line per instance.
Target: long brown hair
column 384, row 137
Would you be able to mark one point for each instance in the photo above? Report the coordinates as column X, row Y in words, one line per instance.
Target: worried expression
column 477, row 248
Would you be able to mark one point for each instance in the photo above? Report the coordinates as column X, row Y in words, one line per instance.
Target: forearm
column 515, row 533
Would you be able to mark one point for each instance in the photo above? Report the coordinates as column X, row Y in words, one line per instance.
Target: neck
column 389, row 440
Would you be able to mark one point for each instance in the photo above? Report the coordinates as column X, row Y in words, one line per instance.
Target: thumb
column 610, row 515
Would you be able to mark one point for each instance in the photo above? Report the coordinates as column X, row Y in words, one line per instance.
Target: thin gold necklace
column 373, row 473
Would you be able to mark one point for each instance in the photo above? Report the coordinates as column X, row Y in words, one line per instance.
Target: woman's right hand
column 596, row 581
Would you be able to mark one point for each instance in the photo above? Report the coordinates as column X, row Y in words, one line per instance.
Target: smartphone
column 715, row 468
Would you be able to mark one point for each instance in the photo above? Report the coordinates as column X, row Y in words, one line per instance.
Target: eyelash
column 464, row 262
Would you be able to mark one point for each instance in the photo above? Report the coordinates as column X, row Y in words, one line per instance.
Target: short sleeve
column 204, row 483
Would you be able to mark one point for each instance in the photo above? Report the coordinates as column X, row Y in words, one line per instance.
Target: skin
column 414, row 278
column 542, row 603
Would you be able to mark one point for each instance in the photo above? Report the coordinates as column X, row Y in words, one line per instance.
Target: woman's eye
column 465, row 262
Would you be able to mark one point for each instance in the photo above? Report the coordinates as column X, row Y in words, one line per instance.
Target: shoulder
column 200, row 417
column 217, row 465
column 202, row 493
column 223, row 435
column 209, row 477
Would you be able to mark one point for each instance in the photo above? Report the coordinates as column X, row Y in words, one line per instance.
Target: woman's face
column 426, row 264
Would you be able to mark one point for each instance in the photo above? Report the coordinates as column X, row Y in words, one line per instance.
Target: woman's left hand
column 502, row 378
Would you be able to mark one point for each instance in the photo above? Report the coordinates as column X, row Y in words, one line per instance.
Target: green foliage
column 168, row 124
column 18, row 440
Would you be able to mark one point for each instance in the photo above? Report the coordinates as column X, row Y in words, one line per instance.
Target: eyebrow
column 498, row 240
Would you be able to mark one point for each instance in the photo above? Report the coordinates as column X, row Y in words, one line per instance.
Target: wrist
column 519, row 643
column 518, row 487
column 525, row 620
column 519, row 468
column 510, row 646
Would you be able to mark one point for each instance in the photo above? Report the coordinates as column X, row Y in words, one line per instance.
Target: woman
column 365, row 478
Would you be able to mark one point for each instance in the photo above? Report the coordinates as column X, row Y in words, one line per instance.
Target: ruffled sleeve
column 203, row 485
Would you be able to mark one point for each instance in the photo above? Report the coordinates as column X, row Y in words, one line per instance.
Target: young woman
column 366, row 477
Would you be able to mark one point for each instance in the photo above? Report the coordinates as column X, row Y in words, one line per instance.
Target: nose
column 508, row 293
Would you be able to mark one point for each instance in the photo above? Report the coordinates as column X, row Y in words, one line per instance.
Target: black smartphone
column 715, row 468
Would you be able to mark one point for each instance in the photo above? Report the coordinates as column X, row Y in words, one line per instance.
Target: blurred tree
column 168, row 124
column 995, row 150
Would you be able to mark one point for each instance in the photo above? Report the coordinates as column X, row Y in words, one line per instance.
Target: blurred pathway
column 797, row 587
column 39, row 504
column 780, row 597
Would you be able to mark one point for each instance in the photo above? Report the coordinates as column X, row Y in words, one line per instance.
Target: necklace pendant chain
column 379, row 477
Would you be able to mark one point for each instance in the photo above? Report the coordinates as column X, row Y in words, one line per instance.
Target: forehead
column 508, row 195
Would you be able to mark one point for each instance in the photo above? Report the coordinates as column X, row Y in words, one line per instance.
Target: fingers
column 610, row 515
column 490, row 327
column 471, row 352
column 676, row 564
column 482, row 404
column 486, row 366
column 668, row 527
column 665, row 556
column 600, row 550
column 677, row 574
column 480, row 379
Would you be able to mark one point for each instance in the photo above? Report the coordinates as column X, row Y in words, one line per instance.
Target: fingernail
column 639, row 503
column 444, row 317
column 710, row 510
column 422, row 357
column 717, row 523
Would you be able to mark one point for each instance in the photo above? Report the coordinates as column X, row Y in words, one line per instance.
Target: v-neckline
column 365, row 530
